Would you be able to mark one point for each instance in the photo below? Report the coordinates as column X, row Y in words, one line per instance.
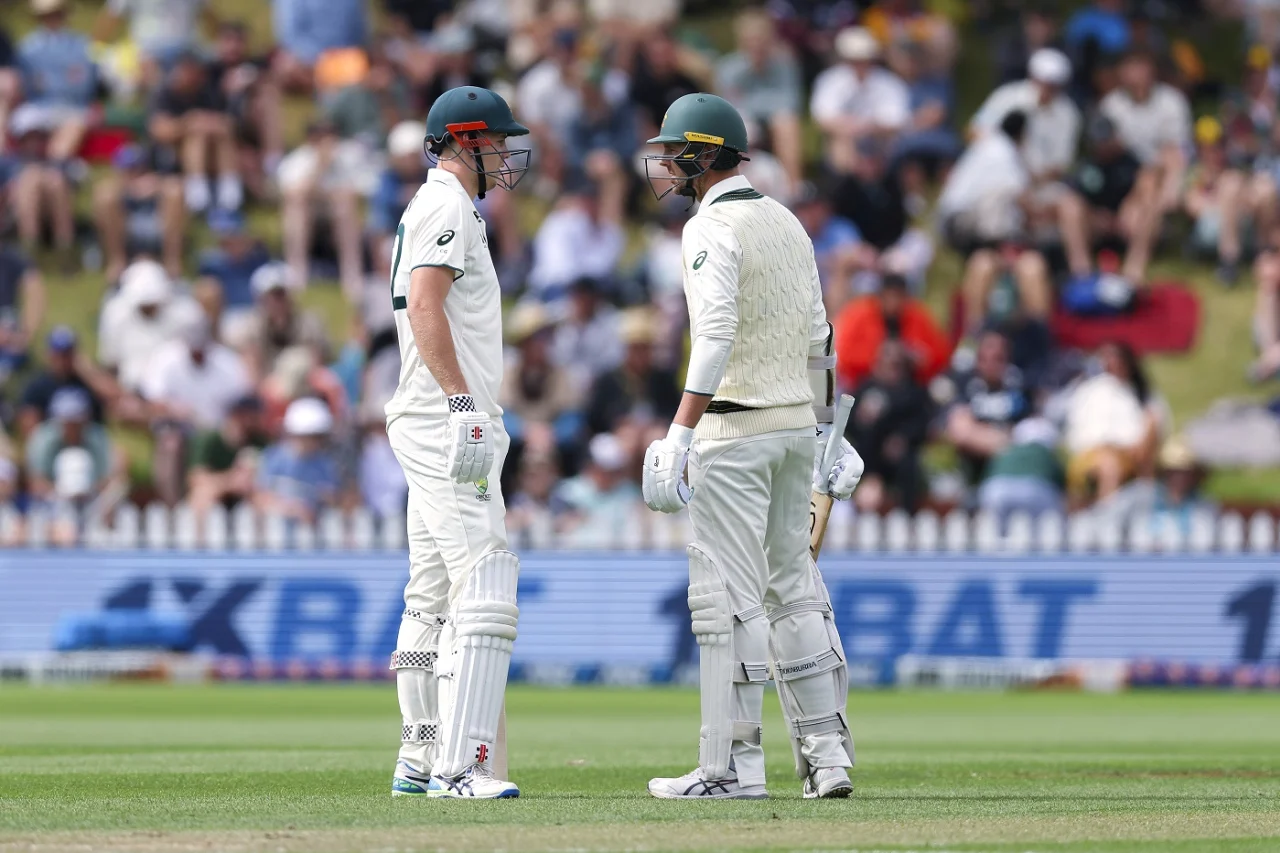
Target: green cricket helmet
column 469, row 115
column 711, row 135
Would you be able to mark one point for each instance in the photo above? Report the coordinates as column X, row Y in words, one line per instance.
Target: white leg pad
column 813, row 682
column 732, row 672
column 473, row 673
column 414, row 662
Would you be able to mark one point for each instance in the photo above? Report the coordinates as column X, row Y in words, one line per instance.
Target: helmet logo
column 703, row 137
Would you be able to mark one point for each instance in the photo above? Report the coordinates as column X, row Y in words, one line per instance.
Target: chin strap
column 483, row 179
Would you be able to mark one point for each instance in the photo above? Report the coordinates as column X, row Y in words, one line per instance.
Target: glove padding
column 471, row 450
column 845, row 473
column 662, row 483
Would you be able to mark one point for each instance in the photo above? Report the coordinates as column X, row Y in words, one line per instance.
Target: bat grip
column 832, row 450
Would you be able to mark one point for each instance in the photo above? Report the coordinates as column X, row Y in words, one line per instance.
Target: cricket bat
column 500, row 746
column 820, row 503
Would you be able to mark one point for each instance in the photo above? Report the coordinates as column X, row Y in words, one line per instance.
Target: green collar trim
column 745, row 194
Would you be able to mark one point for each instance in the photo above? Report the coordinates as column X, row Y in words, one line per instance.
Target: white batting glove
column 845, row 474
column 471, row 437
column 662, row 483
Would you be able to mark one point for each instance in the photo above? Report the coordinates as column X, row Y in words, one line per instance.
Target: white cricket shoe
column 476, row 782
column 409, row 781
column 695, row 786
column 828, row 783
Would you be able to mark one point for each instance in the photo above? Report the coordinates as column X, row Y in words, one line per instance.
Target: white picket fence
column 156, row 527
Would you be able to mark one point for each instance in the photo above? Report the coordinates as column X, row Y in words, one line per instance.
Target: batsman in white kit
column 755, row 416
column 445, row 426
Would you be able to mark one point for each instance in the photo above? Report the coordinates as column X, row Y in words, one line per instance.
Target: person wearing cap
column 1177, row 498
column 228, row 268
column 278, row 322
column 1053, row 120
column 601, row 500
column 445, row 425
column 223, row 461
column 541, row 402
column 857, row 98
column 189, row 114
column 22, row 307
column 1027, row 476
column 64, row 367
column 638, row 398
column 190, row 385
column 69, row 426
column 321, row 182
column 137, row 210
column 144, row 314
column 298, row 475
column 405, row 172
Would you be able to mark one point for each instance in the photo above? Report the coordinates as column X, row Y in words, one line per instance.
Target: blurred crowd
column 210, row 374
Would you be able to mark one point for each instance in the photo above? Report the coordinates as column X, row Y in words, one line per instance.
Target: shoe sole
column 445, row 795
column 407, row 794
column 735, row 796
column 839, row 792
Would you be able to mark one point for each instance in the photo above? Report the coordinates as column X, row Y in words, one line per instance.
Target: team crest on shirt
column 482, row 490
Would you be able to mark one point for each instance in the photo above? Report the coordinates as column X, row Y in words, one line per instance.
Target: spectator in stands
column 856, row 99
column 143, row 316
column 1153, row 120
column 602, row 139
column 191, row 385
column 223, row 462
column 59, row 82
column 541, row 403
column 1266, row 315
column 230, row 267
column 189, row 115
column 40, row 192
column 1021, row 275
column 889, row 426
column 601, row 500
column 161, row 30
column 581, row 238
column 534, row 501
column 1036, row 28
column 326, row 176
column 662, row 272
column 383, row 488
column 1027, row 475
column 838, row 247
column 69, row 458
column 1053, row 121
column 906, row 24
column 65, row 367
column 658, row 78
column 400, row 181
column 364, row 110
column 928, row 143
column 984, row 200
column 586, row 342
column 548, row 101
column 866, row 323
column 1221, row 203
column 9, row 477
column 1112, row 199
column 636, row 400
column 137, row 210
column 1114, row 425
column 306, row 29
column 1098, row 30
column 253, row 101
column 22, row 307
column 1178, row 498
column 299, row 373
column 279, row 323
column 10, row 81
column 298, row 476
column 762, row 79
column 979, row 407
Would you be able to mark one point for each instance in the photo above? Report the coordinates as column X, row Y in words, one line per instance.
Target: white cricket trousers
column 750, row 513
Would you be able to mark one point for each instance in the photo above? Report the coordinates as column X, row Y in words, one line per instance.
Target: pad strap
column 822, row 362
column 805, row 726
column 423, row 731
column 425, row 618
column 750, row 673
column 798, row 607
column 404, row 659
column 752, row 733
column 809, row 667
column 750, row 613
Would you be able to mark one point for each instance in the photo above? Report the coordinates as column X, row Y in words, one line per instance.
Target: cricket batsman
column 760, row 387
column 445, row 427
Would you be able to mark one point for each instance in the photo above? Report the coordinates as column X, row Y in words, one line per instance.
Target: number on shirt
column 398, row 303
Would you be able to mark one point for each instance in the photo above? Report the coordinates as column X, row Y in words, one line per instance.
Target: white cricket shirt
column 442, row 228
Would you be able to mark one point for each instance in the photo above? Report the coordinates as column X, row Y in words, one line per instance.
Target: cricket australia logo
column 482, row 490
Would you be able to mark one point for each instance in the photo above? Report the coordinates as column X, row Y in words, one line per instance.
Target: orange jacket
column 860, row 330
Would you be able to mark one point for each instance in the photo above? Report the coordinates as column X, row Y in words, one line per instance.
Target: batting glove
column 662, row 483
column 471, row 435
column 846, row 474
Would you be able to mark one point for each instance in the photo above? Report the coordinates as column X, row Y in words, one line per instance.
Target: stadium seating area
column 1047, row 232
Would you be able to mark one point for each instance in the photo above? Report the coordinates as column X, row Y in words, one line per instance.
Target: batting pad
column 473, row 673
column 813, row 681
column 733, row 669
column 414, row 662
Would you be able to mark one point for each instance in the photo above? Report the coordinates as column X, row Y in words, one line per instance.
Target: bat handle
column 832, row 451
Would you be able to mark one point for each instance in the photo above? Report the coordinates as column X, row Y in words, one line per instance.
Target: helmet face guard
column 470, row 138
column 701, row 154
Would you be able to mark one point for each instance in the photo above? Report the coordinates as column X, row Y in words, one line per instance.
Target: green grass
column 308, row 768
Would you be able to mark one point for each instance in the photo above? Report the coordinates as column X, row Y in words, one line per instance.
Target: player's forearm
column 434, row 339
column 692, row 408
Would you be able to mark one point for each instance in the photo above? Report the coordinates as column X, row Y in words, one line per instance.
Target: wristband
column 681, row 435
column 462, row 403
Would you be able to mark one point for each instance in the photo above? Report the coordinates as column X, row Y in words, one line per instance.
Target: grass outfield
column 308, row 769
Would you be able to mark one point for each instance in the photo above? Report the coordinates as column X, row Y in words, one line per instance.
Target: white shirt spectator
column 1053, row 129
column 1104, row 412
column 141, row 318
column 595, row 345
column 990, row 169
column 382, row 484
column 545, row 98
column 206, row 390
column 352, row 167
column 160, row 26
column 881, row 97
column 1146, row 128
column 572, row 244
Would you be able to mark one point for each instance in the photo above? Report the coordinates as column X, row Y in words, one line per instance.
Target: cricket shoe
column 828, row 783
column 409, row 782
column 696, row 786
column 476, row 782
